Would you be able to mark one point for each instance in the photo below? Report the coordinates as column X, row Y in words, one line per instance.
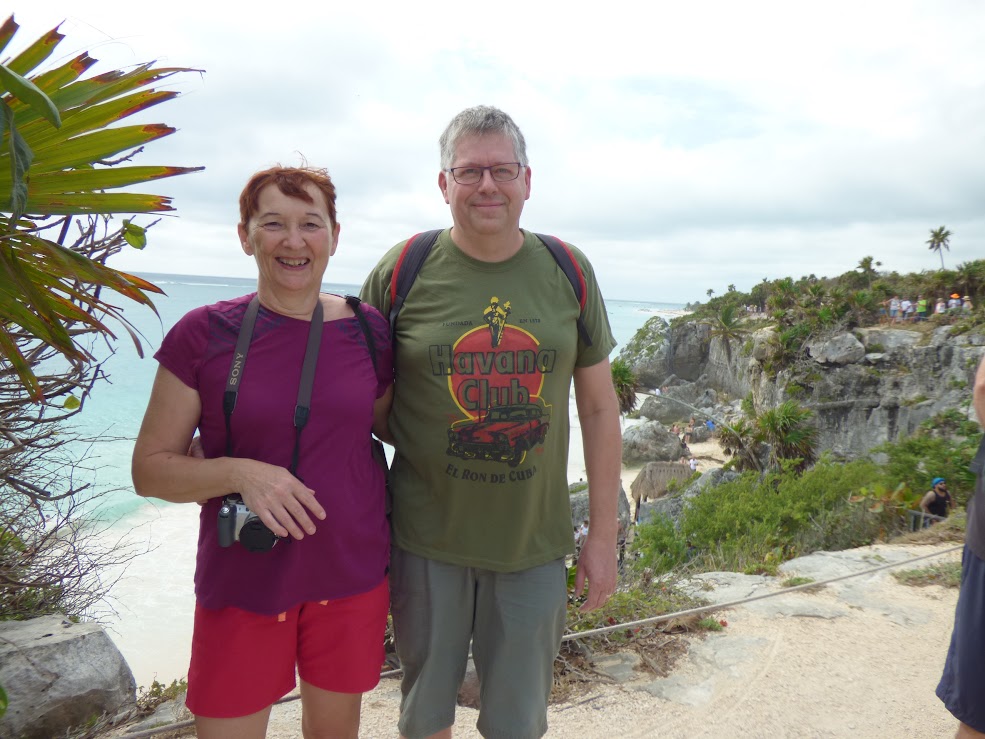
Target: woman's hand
column 280, row 500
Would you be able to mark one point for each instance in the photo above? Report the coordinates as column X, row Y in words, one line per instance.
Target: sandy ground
column 856, row 676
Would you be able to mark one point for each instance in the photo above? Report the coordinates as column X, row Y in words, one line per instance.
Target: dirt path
column 861, row 675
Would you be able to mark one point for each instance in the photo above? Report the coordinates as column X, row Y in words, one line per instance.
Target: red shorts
column 243, row 662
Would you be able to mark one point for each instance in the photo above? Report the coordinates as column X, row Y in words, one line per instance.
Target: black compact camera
column 239, row 523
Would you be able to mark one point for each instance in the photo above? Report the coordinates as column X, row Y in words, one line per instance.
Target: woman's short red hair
column 290, row 181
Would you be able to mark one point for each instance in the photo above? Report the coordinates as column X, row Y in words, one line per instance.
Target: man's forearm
column 979, row 392
column 603, row 463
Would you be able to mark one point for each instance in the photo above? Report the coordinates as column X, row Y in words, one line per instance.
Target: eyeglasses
column 505, row 172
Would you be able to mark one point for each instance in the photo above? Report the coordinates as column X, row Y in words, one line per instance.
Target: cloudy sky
column 683, row 145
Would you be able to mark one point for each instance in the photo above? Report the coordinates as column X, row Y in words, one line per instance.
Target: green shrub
column 754, row 524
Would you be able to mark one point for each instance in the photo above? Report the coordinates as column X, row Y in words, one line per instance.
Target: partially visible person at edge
column 317, row 601
column 486, row 534
column 962, row 686
column 937, row 501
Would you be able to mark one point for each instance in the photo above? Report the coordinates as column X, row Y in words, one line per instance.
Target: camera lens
column 256, row 537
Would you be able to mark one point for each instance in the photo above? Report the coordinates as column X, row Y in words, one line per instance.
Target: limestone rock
column 647, row 353
column 579, row 506
column 650, row 442
column 841, row 349
column 661, row 408
column 887, row 340
column 59, row 674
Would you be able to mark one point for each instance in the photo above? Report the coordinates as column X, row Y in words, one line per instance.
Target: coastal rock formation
column 650, row 442
column 866, row 387
column 647, row 352
column 579, row 505
column 59, row 674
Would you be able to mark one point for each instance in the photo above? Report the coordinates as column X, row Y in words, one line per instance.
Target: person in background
column 954, row 303
column 293, row 546
column 480, row 537
column 962, row 685
column 966, row 305
column 905, row 310
column 922, row 308
column 940, row 307
column 894, row 309
column 937, row 501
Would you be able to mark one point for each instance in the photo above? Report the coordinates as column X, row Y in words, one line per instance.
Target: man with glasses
column 487, row 347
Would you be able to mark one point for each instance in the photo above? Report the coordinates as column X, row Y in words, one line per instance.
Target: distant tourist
column 954, row 303
column 894, row 308
column 693, row 464
column 906, row 309
column 966, row 305
column 937, row 501
column 940, row 307
column 922, row 307
column 962, row 685
column 710, row 425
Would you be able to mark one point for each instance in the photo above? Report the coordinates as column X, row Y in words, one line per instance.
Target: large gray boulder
column 662, row 408
column 579, row 505
column 840, row 349
column 59, row 674
column 650, row 442
column 887, row 340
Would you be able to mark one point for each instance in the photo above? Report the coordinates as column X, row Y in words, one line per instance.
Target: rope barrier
column 574, row 636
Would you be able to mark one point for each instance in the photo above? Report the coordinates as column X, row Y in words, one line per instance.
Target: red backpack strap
column 572, row 270
column 409, row 263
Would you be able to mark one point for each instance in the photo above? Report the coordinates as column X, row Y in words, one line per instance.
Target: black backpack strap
column 376, row 446
column 405, row 271
column 353, row 302
column 572, row 270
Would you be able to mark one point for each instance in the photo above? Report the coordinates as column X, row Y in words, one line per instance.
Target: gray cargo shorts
column 515, row 621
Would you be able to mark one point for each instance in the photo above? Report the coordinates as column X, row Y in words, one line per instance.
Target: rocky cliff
column 866, row 387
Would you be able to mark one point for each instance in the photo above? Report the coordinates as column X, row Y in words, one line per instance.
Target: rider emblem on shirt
column 495, row 376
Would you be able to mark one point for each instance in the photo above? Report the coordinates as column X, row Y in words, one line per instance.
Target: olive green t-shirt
column 484, row 360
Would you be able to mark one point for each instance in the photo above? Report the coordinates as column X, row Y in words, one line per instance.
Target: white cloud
column 684, row 146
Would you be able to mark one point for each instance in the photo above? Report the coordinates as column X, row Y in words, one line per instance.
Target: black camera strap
column 303, row 407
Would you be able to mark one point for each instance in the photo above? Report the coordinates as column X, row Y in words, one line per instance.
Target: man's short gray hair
column 481, row 119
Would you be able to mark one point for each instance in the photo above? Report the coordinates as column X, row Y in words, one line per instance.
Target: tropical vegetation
column 625, row 382
column 64, row 162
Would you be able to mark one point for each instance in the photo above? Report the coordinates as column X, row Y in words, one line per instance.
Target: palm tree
column 789, row 432
column 709, row 292
column 938, row 241
column 726, row 325
column 56, row 163
column 739, row 442
column 625, row 382
column 865, row 264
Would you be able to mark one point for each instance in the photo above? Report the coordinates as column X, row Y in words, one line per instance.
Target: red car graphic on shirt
column 503, row 435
